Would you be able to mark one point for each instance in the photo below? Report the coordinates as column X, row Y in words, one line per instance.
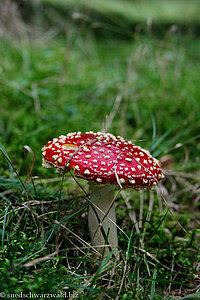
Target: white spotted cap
column 103, row 158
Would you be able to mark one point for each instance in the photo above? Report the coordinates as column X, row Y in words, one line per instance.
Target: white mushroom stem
column 102, row 197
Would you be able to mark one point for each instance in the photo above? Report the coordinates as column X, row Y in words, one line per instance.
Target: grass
column 61, row 94
column 148, row 86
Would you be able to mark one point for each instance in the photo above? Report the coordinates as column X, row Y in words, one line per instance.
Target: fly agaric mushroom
column 105, row 161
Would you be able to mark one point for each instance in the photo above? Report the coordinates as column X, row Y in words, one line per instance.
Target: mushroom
column 105, row 161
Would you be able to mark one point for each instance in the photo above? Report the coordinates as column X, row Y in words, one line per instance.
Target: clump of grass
column 148, row 89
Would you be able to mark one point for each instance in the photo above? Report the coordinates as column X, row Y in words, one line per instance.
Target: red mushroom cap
column 103, row 158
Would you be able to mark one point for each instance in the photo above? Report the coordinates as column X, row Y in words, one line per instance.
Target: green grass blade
column 13, row 168
column 162, row 138
column 153, row 284
column 4, row 226
column 195, row 296
column 2, row 149
column 129, row 244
